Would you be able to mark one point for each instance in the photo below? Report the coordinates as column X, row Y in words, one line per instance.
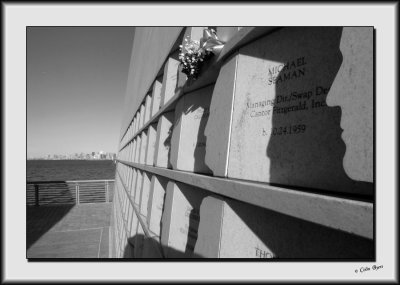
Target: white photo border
column 16, row 17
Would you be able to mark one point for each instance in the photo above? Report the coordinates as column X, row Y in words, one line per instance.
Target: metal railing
column 69, row 192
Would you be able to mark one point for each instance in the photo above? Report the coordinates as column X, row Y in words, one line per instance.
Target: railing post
column 77, row 193
column 36, row 195
column 107, row 193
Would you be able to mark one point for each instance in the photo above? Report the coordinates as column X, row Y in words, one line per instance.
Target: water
column 47, row 170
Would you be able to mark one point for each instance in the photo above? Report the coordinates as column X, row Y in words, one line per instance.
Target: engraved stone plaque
column 143, row 143
column 233, row 229
column 133, row 153
column 170, row 79
column 163, row 140
column 139, row 118
column 137, row 149
column 156, row 203
column 151, row 143
column 138, row 188
column 142, row 113
column 180, row 219
column 147, row 111
column 134, row 226
column 284, row 128
column 145, row 193
column 129, row 151
column 188, row 139
column 129, row 219
column 156, row 97
column 132, row 183
column 136, row 123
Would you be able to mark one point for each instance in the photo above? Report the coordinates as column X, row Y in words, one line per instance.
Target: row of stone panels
column 168, row 83
column 119, row 231
column 177, row 140
column 163, row 89
column 129, row 232
column 293, row 108
column 190, row 222
column 275, row 114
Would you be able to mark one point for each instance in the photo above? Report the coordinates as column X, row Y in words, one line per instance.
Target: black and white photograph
column 208, row 144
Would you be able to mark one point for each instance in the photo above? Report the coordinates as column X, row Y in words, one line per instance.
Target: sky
column 76, row 83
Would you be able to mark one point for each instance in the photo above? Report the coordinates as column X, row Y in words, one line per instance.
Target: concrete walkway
column 68, row 231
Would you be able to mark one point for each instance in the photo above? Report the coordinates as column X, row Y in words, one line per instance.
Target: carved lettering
column 284, row 72
column 263, row 254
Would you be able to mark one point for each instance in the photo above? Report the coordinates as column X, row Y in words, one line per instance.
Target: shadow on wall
column 167, row 144
column 164, row 184
column 305, row 148
column 193, row 219
column 289, row 237
column 139, row 246
column 284, row 237
column 202, row 114
column 315, row 150
column 200, row 150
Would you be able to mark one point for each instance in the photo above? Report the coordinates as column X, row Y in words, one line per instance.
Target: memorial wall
column 269, row 153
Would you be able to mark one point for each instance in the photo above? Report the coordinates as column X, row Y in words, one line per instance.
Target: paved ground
column 69, row 231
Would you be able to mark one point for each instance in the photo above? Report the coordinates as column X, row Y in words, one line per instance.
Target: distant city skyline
column 76, row 82
column 76, row 155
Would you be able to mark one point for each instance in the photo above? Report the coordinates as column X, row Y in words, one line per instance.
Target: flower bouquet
column 194, row 53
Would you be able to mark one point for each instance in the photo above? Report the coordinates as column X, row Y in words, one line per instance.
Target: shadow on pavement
column 40, row 220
